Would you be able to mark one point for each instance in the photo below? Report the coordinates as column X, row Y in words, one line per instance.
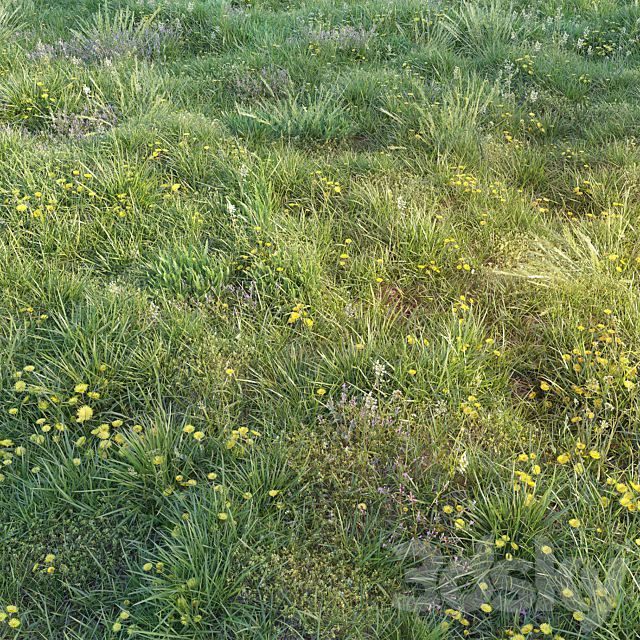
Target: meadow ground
column 319, row 320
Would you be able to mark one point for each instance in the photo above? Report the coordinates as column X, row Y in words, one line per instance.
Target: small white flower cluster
column 244, row 171
column 349, row 311
column 534, row 95
column 379, row 370
column 401, row 204
column 370, row 403
column 154, row 311
column 440, row 408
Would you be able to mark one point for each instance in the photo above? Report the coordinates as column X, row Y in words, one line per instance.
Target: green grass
column 319, row 321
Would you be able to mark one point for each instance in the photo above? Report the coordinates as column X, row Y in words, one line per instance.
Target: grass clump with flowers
column 319, row 321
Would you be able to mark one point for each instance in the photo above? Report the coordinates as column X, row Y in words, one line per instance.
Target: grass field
column 319, row 320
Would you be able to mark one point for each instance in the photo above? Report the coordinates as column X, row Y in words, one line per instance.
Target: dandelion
column 564, row 458
column 51, row 569
column 81, row 388
column 13, row 411
column 14, row 622
column 20, row 385
column 229, row 372
column 198, row 435
column 546, row 628
column 147, row 567
column 574, row 522
column 595, row 455
column 84, row 413
column 321, row 392
column 116, row 626
column 578, row 616
column 274, row 492
column 223, row 516
column 12, row 608
column 486, row 608
column 546, row 549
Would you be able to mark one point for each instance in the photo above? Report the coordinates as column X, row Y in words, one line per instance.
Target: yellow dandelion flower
column 81, row 388
column 223, row 516
column 574, row 522
column 564, row 458
column 198, row 435
column 14, row 622
column 486, row 608
column 546, row 628
column 147, row 567
column 84, row 413
column 274, row 492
